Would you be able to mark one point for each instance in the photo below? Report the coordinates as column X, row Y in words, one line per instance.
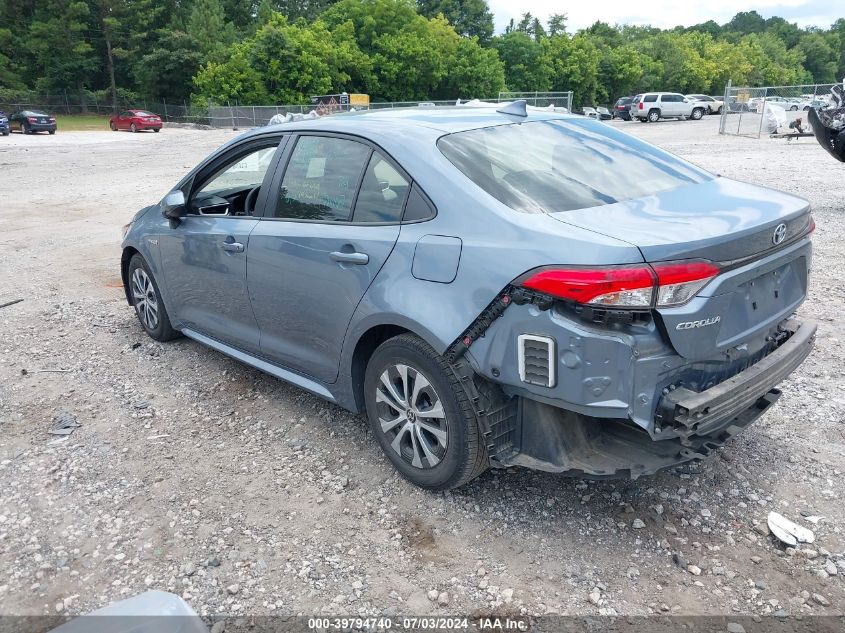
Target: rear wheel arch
column 364, row 349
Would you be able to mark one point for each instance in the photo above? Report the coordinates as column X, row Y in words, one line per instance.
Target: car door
column 670, row 105
column 204, row 257
column 331, row 224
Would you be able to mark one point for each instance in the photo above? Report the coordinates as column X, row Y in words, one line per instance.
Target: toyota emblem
column 780, row 234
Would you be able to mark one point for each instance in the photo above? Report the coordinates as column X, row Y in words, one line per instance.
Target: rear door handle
column 350, row 258
column 233, row 247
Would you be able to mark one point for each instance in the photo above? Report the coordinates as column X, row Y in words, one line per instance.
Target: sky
column 667, row 13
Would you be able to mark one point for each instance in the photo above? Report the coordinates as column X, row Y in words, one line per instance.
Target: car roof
column 415, row 121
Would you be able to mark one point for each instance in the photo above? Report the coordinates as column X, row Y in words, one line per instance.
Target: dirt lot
column 195, row 474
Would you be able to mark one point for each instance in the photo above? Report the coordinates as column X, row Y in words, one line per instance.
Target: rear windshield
column 561, row 165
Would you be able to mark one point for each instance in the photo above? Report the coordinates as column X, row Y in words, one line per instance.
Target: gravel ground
column 194, row 474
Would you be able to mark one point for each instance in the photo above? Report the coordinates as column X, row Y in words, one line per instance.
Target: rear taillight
column 32, row 119
column 633, row 287
column 679, row 282
column 624, row 286
column 52, row 119
column 640, row 105
column 812, row 226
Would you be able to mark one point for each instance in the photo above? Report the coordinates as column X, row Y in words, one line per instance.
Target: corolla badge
column 692, row 325
column 780, row 234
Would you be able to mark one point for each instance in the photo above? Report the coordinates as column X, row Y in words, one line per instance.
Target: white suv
column 654, row 106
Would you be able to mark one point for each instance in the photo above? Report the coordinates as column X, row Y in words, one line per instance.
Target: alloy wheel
column 146, row 301
column 411, row 416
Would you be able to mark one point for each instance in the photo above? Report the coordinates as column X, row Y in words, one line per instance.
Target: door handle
column 233, row 247
column 350, row 258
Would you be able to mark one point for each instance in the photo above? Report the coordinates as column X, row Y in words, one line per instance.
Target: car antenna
column 516, row 108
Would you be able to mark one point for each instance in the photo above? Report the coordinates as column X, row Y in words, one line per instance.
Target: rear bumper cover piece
column 556, row 440
column 706, row 410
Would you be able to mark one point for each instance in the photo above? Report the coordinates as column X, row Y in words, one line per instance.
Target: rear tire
column 112, row 126
column 147, row 301
column 25, row 129
column 156, row 129
column 421, row 416
column 654, row 116
column 51, row 132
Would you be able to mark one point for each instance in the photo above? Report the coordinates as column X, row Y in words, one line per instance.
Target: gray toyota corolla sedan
column 491, row 287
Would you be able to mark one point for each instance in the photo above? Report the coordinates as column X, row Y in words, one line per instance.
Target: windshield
column 561, row 165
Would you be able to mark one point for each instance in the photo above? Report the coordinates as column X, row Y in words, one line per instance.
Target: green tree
column 60, row 43
column 471, row 18
column 746, row 22
column 166, row 72
column 207, row 25
column 821, row 56
column 528, row 63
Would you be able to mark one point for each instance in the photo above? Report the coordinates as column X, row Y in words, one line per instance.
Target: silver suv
column 654, row 106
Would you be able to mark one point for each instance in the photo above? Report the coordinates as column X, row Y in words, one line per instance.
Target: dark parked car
column 620, row 108
column 135, row 121
column 31, row 121
column 486, row 286
column 5, row 128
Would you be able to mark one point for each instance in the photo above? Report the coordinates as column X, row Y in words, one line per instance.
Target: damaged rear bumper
column 694, row 424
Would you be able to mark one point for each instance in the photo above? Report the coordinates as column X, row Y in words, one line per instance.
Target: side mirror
column 174, row 205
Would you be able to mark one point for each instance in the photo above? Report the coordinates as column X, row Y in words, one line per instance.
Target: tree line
column 283, row 51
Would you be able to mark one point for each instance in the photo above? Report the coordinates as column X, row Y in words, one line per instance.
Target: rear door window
column 650, row 98
column 321, row 179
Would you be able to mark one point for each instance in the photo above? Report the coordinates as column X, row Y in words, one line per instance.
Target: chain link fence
column 229, row 115
column 744, row 108
column 239, row 116
column 93, row 104
column 540, row 99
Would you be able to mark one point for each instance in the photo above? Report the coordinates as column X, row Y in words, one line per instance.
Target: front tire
column 421, row 416
column 133, row 128
column 147, row 301
column 697, row 113
column 156, row 129
column 112, row 126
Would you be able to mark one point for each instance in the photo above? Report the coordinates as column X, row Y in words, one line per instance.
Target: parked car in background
column 5, row 128
column 621, row 108
column 31, row 121
column 714, row 106
column 481, row 304
column 590, row 112
column 667, row 105
column 813, row 103
column 633, row 106
column 603, row 113
column 135, row 121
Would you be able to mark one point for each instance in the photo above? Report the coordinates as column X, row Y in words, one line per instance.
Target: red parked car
column 135, row 121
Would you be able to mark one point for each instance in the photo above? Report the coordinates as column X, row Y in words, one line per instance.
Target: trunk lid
column 721, row 220
column 737, row 225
